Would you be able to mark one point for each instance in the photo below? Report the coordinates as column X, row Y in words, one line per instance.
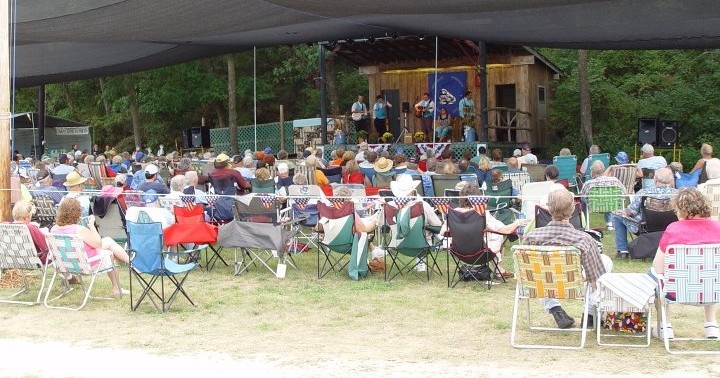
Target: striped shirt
column 564, row 234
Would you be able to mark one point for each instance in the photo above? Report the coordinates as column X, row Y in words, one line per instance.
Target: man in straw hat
column 223, row 172
column 74, row 183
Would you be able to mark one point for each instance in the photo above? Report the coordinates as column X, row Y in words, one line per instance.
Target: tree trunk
column 332, row 88
column 134, row 112
column 68, row 99
column 232, row 104
column 221, row 115
column 106, row 105
column 585, row 109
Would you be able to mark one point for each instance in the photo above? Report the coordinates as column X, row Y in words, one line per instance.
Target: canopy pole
column 40, row 149
column 255, row 92
column 323, row 94
column 435, row 90
column 5, row 110
column 483, row 93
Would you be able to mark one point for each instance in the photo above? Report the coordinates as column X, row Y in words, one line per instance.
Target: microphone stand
column 405, row 128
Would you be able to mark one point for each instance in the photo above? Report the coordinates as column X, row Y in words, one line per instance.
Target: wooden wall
column 525, row 72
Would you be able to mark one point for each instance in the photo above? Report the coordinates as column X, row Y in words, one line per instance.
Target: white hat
column 647, row 148
column 517, row 152
column 151, row 169
column 403, row 185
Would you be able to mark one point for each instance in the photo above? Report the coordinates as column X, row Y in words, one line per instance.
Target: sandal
column 504, row 275
column 121, row 293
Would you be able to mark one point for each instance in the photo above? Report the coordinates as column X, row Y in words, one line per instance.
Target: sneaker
column 609, row 226
column 562, row 319
column 712, row 331
column 421, row 267
column 670, row 332
column 622, row 255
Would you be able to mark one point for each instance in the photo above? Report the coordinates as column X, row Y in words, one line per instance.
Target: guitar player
column 359, row 114
column 424, row 110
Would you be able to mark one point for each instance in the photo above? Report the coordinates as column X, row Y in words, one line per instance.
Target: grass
column 305, row 318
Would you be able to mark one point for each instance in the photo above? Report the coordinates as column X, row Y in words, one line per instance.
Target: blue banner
column 450, row 89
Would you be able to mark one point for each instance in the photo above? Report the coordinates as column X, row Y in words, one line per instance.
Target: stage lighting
column 421, row 37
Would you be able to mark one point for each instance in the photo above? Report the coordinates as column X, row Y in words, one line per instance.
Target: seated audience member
column 22, row 213
column 496, row 157
column 494, row 238
column 399, row 164
column 564, row 152
column 247, row 169
column 282, row 157
column 74, row 184
column 362, row 150
column 412, row 167
column 346, row 157
column 320, row 178
column 224, row 172
column 706, row 153
column 649, row 162
column 513, row 165
column 484, row 170
column 552, row 173
column 527, row 156
column 67, row 223
column 109, row 172
column 44, row 187
column 598, row 177
column 151, row 182
column 712, row 169
column 693, row 227
column 559, row 232
column 183, row 166
column 662, row 189
column 594, row 149
column 337, row 157
column 192, row 188
column 352, row 174
column 177, row 185
column 282, row 179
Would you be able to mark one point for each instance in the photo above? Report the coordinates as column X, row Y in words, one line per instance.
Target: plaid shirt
column 564, row 234
column 658, row 192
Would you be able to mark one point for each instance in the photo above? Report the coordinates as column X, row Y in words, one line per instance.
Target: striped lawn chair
column 17, row 251
column 628, row 295
column 548, row 272
column 626, row 173
column 69, row 258
column 692, row 276
column 603, row 199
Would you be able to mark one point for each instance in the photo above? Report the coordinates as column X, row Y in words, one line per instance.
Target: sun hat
column 151, row 169
column 110, row 191
column 74, row 178
column 622, row 157
column 517, row 152
column 403, row 185
column 383, row 165
column 267, row 150
column 222, row 158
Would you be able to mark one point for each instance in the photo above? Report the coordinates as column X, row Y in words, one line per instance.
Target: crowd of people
column 67, row 177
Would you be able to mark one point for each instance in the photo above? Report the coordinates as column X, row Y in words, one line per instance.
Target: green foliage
column 680, row 85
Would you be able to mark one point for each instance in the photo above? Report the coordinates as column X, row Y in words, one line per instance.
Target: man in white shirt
column 359, row 114
column 425, row 110
column 650, row 163
column 527, row 155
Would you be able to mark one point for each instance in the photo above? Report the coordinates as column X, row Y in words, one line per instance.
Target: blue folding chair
column 150, row 266
column 567, row 165
column 604, row 158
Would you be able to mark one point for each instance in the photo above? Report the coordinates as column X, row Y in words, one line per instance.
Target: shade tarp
column 63, row 40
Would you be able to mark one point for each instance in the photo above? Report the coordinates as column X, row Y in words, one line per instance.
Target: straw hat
column 403, row 185
column 383, row 165
column 74, row 178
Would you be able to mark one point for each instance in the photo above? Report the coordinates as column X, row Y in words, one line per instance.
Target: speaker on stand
column 647, row 131
column 668, row 134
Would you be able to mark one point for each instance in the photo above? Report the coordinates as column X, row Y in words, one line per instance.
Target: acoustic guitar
column 419, row 110
column 356, row 116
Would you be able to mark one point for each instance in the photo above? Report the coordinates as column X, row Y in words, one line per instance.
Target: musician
column 359, row 114
column 466, row 108
column 443, row 126
column 424, row 110
column 380, row 113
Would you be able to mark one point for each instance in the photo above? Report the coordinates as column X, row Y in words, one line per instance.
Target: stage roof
column 64, row 40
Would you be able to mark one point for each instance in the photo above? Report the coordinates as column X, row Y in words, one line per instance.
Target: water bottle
column 521, row 229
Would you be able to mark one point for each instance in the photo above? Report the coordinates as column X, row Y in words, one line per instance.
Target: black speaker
column 406, row 107
column 196, row 137
column 647, row 131
column 668, row 133
column 186, row 138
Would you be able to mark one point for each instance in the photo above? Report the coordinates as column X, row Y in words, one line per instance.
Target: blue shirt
column 658, row 192
column 466, row 103
column 379, row 110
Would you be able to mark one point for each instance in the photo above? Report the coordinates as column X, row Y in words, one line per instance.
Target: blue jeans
column 621, row 239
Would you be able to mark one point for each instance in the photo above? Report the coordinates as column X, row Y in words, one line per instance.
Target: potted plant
column 387, row 137
column 362, row 136
column 419, row 137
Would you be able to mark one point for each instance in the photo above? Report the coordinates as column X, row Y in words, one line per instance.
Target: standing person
column 380, row 112
column 161, row 151
column 95, row 150
column 466, row 109
column 424, row 110
column 359, row 114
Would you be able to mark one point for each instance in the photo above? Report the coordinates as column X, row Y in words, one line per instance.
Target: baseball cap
column 151, row 169
column 267, row 150
column 622, row 157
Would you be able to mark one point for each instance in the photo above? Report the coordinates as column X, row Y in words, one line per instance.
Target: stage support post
column 323, row 95
column 483, row 93
column 5, row 111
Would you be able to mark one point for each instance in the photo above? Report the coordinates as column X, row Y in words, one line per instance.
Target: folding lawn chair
column 341, row 247
column 603, row 199
column 190, row 228
column 408, row 246
column 17, row 251
column 518, row 179
column 472, row 259
column 442, row 182
column 151, row 266
column 626, row 173
column 46, row 210
column 567, row 166
column 548, row 272
column 108, row 219
column 692, row 277
column 535, row 171
column 500, row 201
column 68, row 258
column 603, row 157
column 624, row 305
column 303, row 204
column 263, row 186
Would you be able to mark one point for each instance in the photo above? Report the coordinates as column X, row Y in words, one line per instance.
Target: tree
column 232, row 100
column 585, row 108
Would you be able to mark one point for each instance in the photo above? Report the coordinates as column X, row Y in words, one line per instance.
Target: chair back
column 308, row 172
column 604, row 158
column 382, row 180
column 712, row 191
column 46, row 209
column 146, row 240
column 190, row 215
column 543, row 217
column 548, row 271
column 604, row 199
column 368, row 172
column 465, row 227
column 420, row 188
column 68, row 254
column 256, row 208
column 338, row 229
column 442, row 182
column 692, row 273
column 536, row 172
column 500, row 201
column 519, row 179
column 17, row 250
column 657, row 214
column 99, row 174
column 567, row 166
column 626, row 173
column 407, row 226
column 111, row 224
column 263, row 186
column 534, row 193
